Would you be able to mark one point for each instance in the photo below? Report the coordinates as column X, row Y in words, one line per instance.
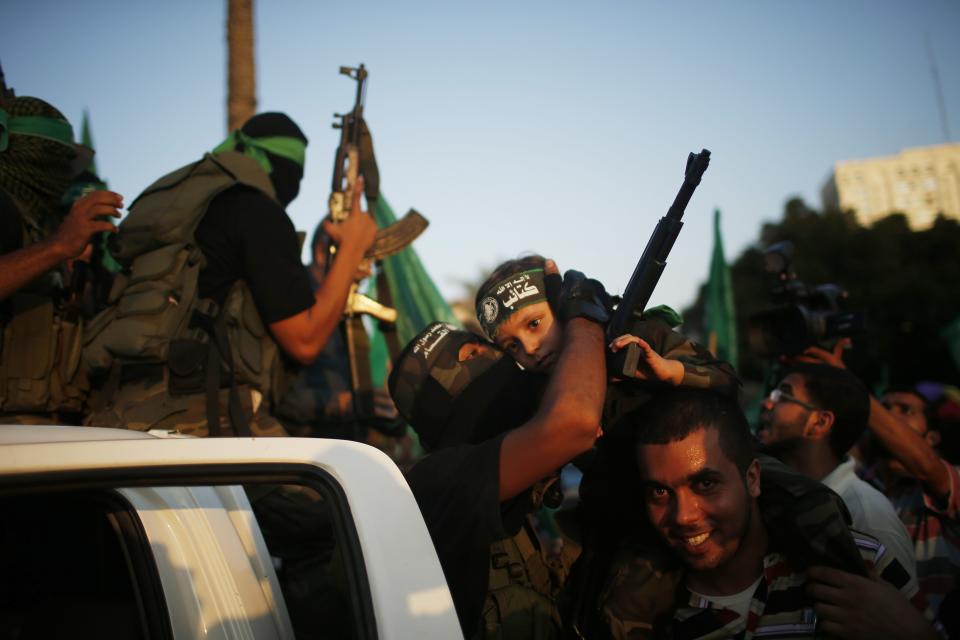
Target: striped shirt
column 935, row 530
column 780, row 608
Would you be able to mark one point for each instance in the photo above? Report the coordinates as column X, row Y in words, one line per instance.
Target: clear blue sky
column 557, row 127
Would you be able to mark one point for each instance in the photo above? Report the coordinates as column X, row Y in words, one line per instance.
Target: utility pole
column 241, row 72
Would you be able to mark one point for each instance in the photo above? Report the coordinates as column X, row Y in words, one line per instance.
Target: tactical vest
column 155, row 315
column 40, row 359
column 523, row 586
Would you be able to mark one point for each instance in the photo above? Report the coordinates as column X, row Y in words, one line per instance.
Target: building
column 920, row 182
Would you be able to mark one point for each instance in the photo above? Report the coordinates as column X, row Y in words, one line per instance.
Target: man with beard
column 810, row 421
column 496, row 439
column 701, row 482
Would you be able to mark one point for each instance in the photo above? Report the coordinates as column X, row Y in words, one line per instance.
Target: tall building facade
column 920, row 182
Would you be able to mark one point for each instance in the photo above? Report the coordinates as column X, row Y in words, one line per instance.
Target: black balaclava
column 286, row 173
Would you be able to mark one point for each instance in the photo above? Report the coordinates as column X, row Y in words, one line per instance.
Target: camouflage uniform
column 524, row 583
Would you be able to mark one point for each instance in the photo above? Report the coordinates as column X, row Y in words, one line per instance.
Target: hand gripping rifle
column 623, row 364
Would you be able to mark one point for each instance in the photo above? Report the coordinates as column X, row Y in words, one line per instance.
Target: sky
column 518, row 126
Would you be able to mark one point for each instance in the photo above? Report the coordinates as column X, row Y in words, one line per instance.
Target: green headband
column 287, row 147
column 508, row 296
column 53, row 129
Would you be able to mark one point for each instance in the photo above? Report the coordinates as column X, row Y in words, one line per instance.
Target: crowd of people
column 837, row 517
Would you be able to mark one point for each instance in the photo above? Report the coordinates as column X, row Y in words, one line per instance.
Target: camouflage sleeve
column 639, row 593
column 702, row 370
column 806, row 519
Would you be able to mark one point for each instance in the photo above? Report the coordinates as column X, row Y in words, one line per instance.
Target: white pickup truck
column 117, row 534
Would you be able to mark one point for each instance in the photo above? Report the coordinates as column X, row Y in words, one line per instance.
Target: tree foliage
column 906, row 282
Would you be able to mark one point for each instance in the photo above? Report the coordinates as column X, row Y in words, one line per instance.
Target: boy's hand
column 651, row 366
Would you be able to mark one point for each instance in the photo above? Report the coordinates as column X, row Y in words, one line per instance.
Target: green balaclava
column 38, row 156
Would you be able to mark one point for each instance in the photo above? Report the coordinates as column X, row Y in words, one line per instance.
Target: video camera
column 803, row 316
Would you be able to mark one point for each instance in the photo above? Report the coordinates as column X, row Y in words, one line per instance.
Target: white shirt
column 873, row 514
column 739, row 602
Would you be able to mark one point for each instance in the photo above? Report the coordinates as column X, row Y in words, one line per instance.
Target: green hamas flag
column 416, row 298
column 88, row 183
column 86, row 139
column 719, row 320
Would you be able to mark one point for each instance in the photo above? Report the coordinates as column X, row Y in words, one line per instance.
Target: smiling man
column 701, row 483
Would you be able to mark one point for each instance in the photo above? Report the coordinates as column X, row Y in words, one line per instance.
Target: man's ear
column 820, row 424
column 753, row 478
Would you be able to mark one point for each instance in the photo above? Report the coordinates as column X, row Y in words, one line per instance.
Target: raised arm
column 304, row 335
column 568, row 420
column 19, row 268
column 906, row 445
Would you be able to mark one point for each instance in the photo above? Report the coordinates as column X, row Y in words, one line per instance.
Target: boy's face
column 531, row 337
column 697, row 499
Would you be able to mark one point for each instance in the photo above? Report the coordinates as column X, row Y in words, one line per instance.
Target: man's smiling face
column 697, row 499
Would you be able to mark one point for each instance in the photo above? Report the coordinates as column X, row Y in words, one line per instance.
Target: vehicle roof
column 42, row 433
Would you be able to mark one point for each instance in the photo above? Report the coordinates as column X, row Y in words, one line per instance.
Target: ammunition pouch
column 257, row 358
column 40, row 358
column 521, row 591
column 188, row 366
column 148, row 306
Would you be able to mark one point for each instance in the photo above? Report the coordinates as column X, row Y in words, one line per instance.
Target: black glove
column 577, row 296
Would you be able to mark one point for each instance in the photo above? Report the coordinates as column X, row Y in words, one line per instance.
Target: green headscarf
column 257, row 148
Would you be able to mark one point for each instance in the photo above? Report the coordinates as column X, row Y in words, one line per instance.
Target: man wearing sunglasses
column 810, row 421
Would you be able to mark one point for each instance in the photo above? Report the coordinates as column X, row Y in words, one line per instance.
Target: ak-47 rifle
column 355, row 158
column 650, row 267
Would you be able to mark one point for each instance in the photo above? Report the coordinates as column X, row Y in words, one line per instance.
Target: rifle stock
column 646, row 275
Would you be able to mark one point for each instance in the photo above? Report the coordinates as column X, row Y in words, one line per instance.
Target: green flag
column 416, row 298
column 86, row 139
column 719, row 321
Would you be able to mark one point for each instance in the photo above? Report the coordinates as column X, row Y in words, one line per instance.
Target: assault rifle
column 355, row 158
column 650, row 267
